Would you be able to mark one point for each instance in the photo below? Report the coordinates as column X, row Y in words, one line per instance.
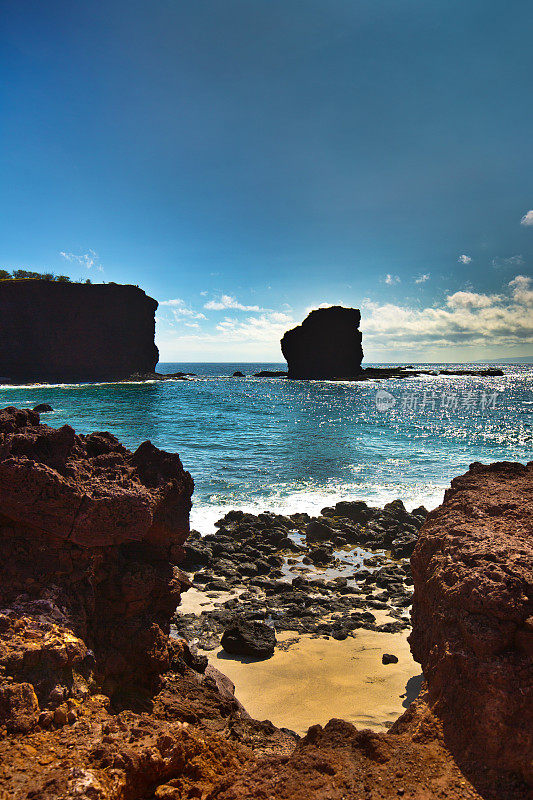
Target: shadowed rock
column 249, row 638
column 327, row 345
column 89, row 534
column 473, row 614
column 54, row 331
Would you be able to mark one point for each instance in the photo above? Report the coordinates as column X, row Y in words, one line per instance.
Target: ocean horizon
column 271, row 444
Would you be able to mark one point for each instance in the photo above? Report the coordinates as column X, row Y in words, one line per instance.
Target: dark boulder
column 196, row 554
column 388, row 658
column 321, row 555
column 249, row 638
column 404, row 544
column 327, row 345
column 319, row 531
column 43, row 408
column 238, row 374
column 420, row 511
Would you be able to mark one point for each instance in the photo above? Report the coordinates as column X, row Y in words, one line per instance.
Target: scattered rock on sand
column 249, row 638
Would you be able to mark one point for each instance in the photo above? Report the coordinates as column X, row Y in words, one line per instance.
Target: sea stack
column 326, row 346
column 57, row 331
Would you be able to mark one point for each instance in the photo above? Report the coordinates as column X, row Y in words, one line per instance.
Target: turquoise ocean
column 260, row 443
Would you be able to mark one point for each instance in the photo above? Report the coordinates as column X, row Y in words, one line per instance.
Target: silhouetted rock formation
column 54, row 331
column 327, row 345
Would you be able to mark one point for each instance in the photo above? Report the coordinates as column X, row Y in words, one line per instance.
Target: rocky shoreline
column 99, row 701
column 365, row 374
column 368, row 374
column 324, row 576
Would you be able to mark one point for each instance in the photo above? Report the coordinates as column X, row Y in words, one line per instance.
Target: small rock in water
column 43, row 408
column 388, row 658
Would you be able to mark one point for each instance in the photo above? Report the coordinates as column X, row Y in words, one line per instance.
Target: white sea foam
column 204, row 515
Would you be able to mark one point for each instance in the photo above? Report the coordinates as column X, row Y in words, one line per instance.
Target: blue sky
column 246, row 160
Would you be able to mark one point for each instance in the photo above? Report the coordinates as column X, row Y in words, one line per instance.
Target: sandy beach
column 316, row 679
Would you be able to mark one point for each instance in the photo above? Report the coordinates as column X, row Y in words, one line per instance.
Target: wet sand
column 317, row 679
column 194, row 601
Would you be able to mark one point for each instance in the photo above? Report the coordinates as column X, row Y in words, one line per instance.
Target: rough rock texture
column 179, row 747
column 326, row 345
column 96, row 699
column 249, row 638
column 89, row 535
column 54, row 331
column 98, row 702
column 473, row 615
column 338, row 762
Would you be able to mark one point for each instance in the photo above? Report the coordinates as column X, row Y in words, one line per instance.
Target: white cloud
column 471, row 300
column 464, row 259
column 422, row 278
column 268, row 328
column 390, row 280
column 527, row 219
column 176, row 302
column 226, row 301
column 467, row 319
column 180, row 309
column 255, row 338
column 522, row 289
column 88, row 260
column 323, row 305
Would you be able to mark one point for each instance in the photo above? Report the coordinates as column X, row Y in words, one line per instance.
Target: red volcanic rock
column 89, row 534
column 339, row 762
column 90, row 489
column 473, row 615
column 98, row 701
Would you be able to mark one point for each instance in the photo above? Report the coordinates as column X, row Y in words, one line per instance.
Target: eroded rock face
column 55, row 331
column 337, row 762
column 327, row 345
column 89, row 537
column 473, row 615
column 98, row 701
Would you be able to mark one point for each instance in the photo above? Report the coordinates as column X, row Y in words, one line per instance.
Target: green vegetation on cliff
column 25, row 275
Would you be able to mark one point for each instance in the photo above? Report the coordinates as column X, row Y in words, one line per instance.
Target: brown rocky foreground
column 97, row 701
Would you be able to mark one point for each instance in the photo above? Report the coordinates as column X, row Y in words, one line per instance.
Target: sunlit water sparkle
column 288, row 446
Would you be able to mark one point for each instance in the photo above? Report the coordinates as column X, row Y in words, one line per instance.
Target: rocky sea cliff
column 99, row 700
column 54, row 331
